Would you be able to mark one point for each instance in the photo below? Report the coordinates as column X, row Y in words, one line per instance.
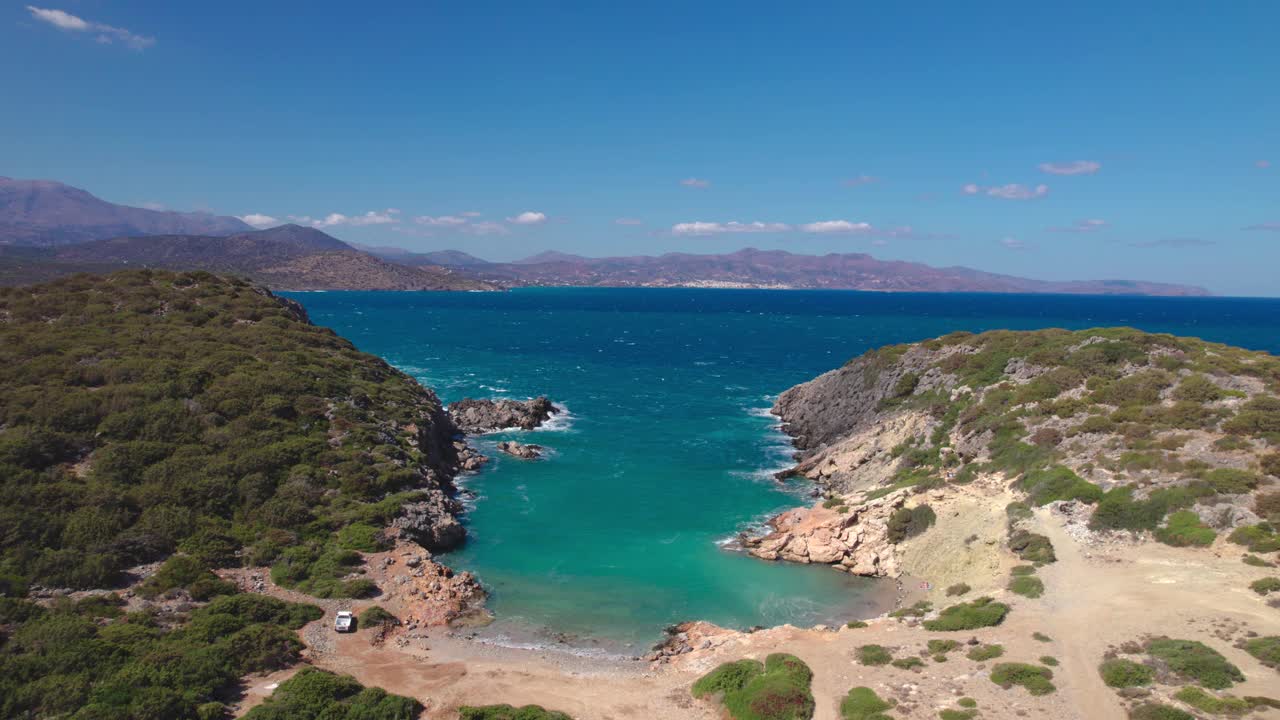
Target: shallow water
column 667, row 449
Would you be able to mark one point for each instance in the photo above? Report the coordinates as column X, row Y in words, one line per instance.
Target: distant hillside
column 287, row 257
column 447, row 258
column 753, row 268
column 48, row 213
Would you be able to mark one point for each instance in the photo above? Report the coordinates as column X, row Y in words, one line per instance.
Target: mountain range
column 49, row 229
column 48, row 213
column 752, row 268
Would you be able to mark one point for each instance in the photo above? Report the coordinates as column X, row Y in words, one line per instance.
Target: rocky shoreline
column 479, row 416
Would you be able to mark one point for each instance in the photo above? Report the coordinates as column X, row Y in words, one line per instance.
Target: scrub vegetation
column 146, row 413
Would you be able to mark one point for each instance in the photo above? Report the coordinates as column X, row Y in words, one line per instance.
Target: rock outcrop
column 423, row 592
column 474, row 416
column 522, row 451
column 853, row 539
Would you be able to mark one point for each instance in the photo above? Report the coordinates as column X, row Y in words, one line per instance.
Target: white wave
column 492, row 388
column 504, row 641
column 560, row 421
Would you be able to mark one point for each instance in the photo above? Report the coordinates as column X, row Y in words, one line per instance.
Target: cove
column 667, row 449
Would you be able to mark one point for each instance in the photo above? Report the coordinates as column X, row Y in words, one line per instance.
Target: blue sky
column 1099, row 140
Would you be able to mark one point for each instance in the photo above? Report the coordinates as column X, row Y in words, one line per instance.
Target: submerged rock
column 479, row 416
column 524, row 452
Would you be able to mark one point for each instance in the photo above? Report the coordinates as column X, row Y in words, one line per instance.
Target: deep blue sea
column 667, row 449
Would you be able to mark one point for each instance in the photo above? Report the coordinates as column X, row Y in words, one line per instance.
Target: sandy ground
column 1098, row 596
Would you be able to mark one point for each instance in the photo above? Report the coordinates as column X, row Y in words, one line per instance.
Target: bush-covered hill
column 144, row 413
column 94, row 660
column 1158, row 433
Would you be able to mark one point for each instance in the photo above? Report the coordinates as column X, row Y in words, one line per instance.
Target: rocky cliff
column 1149, row 436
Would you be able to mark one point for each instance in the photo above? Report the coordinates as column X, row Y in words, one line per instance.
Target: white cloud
column 1082, row 226
column 861, row 180
column 628, row 221
column 528, row 217
column 440, row 220
column 836, row 226
column 1075, row 167
column 373, row 217
column 694, row 182
column 1013, row 243
column 1265, row 227
column 259, row 220
column 714, row 228
column 106, row 34
column 1012, row 191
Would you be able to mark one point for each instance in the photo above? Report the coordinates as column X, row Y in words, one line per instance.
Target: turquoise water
column 667, row 450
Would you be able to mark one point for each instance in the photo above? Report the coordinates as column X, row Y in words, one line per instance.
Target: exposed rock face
column 481, row 416
column 423, row 592
column 855, row 541
column 432, row 523
column 524, row 452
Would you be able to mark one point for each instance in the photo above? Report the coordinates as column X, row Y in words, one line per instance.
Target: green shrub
column 1267, row 505
column 315, row 693
column 862, row 703
column 375, row 615
column 1265, row 585
column 727, row 677
column 362, row 537
column 1265, row 649
column 907, row 663
column 1041, row 637
column 1121, row 673
column 189, row 573
column 1256, row 561
column 1231, row 481
column 967, row 702
column 983, row 612
column 939, row 646
column 906, row 523
column 958, row 589
column 1017, row 511
column 1026, row 586
column 950, row 714
column 1184, row 528
column 920, row 609
column 1058, row 483
column 983, row 653
column 1156, row 711
column 505, row 712
column 1198, row 388
column 1270, row 465
column 776, row 690
column 1032, row 677
column 1032, row 547
column 1049, row 660
column 1021, row 570
column 874, row 655
column 1207, row 702
column 1195, row 661
column 855, row 624
column 1260, row 538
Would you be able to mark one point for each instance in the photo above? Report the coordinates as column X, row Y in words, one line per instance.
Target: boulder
column 524, row 452
column 473, row 416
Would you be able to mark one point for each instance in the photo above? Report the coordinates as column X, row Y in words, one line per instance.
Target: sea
column 665, row 449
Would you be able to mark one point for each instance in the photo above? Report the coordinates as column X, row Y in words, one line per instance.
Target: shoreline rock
column 855, row 541
column 522, row 451
column 476, row 416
